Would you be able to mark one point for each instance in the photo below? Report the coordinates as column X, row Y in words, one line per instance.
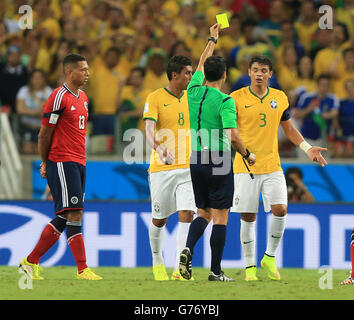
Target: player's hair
column 261, row 59
column 73, row 58
column 214, row 68
column 176, row 64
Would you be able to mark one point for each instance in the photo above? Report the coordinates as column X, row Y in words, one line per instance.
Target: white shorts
column 247, row 191
column 171, row 191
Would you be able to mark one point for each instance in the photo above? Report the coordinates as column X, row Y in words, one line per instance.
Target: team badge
column 273, row 104
column 74, row 200
column 156, row 206
column 237, row 200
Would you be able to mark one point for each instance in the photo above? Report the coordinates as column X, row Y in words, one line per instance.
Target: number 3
column 263, row 119
column 82, row 122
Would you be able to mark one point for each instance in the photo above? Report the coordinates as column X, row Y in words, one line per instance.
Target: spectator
column 329, row 59
column 317, row 110
column 13, row 76
column 344, row 146
column 104, row 86
column 131, row 100
column 30, row 100
column 287, row 71
column 297, row 190
column 344, row 73
column 155, row 73
column 307, row 23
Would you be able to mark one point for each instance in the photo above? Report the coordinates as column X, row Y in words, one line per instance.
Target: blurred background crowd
column 128, row 42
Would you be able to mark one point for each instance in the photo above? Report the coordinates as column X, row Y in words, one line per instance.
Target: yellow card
column 222, row 19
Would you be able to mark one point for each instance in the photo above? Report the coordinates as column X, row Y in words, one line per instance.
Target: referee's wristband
column 305, row 146
column 246, row 155
column 213, row 39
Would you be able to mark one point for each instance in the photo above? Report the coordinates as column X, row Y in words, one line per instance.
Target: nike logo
column 73, row 108
column 249, row 106
column 245, row 242
column 165, row 105
column 273, row 236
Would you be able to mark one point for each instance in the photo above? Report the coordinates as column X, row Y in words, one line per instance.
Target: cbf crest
column 273, row 104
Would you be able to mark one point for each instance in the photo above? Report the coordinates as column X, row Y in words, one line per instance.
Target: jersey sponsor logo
column 249, row 106
column 166, row 104
column 53, row 118
column 273, row 104
column 73, row 108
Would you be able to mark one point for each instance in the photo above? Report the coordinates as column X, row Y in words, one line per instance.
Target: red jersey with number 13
column 67, row 113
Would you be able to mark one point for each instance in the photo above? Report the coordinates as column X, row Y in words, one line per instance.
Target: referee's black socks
column 217, row 244
column 196, row 230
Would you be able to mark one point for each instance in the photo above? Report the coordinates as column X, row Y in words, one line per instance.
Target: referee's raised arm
column 209, row 49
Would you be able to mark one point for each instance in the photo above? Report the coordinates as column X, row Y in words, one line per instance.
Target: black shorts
column 66, row 181
column 213, row 183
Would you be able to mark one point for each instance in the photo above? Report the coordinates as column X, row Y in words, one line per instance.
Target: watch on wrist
column 213, row 39
column 247, row 154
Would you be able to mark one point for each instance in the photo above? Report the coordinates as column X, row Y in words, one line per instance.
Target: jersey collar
column 249, row 87
column 179, row 98
column 75, row 95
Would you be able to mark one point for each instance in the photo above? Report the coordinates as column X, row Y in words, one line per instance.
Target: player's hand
column 251, row 159
column 315, row 155
column 43, row 170
column 214, row 30
column 165, row 155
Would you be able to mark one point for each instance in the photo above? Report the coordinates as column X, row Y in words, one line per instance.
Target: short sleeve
column 228, row 113
column 151, row 108
column 22, row 93
column 195, row 83
column 53, row 108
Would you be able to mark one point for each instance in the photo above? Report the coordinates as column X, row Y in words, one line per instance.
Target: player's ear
column 270, row 74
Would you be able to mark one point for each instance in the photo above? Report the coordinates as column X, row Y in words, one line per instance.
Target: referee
column 213, row 127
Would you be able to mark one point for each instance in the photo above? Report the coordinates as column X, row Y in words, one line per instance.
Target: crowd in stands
column 127, row 44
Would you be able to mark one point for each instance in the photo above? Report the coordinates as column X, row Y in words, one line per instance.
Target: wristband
column 213, row 39
column 305, row 146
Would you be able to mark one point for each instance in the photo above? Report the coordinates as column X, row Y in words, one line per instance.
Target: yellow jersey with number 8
column 171, row 115
column 258, row 121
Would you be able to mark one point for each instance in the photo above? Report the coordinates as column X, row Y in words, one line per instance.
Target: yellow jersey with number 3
column 171, row 115
column 258, row 121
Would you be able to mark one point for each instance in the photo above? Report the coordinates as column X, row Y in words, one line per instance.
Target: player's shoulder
column 277, row 93
column 242, row 92
column 157, row 93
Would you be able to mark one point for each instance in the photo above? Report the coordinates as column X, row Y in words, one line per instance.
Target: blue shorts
column 66, row 181
column 213, row 184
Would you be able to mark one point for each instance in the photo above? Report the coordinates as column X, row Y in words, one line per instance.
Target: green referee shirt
column 210, row 112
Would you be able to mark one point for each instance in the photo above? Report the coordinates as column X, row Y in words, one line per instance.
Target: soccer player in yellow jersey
column 260, row 110
column 167, row 127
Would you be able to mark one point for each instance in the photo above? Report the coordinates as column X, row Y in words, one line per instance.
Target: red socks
column 77, row 246
column 49, row 237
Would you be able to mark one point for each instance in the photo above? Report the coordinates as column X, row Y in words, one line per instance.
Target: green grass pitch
column 138, row 284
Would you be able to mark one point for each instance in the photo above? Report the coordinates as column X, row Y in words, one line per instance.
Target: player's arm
column 237, row 144
column 44, row 141
column 209, row 49
column 165, row 155
column 228, row 117
column 313, row 152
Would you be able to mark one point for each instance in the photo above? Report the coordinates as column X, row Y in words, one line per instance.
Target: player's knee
column 204, row 214
column 159, row 222
column 248, row 217
column 279, row 210
column 185, row 216
column 72, row 216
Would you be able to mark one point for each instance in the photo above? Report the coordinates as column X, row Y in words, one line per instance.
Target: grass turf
column 137, row 284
